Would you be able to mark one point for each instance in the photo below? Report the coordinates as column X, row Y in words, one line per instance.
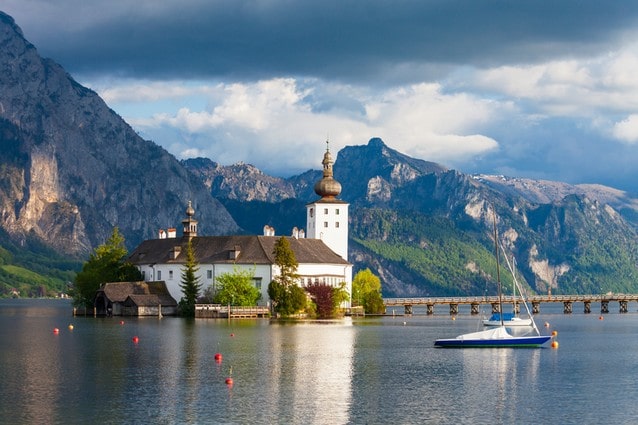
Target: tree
column 327, row 299
column 321, row 295
column 190, row 283
column 286, row 296
column 107, row 263
column 366, row 292
column 237, row 288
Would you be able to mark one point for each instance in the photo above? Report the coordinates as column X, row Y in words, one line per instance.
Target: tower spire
column 327, row 187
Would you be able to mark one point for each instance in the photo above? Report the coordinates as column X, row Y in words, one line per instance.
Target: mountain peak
column 376, row 143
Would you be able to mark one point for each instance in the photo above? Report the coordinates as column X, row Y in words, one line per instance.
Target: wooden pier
column 535, row 301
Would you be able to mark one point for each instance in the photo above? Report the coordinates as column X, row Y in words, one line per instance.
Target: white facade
column 329, row 222
column 207, row 274
column 331, row 274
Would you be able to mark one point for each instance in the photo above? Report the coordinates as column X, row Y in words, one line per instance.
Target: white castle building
column 322, row 254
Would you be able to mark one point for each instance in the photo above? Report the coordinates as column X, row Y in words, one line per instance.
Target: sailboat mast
column 498, row 272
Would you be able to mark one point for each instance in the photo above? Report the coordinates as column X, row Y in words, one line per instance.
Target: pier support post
column 604, row 306
column 536, row 307
column 496, row 308
column 567, row 307
column 454, row 309
column 430, row 310
column 623, row 306
column 408, row 309
column 587, row 307
column 474, row 309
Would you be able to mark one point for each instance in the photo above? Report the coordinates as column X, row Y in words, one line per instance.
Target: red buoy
column 229, row 381
column 136, row 339
column 218, row 357
column 56, row 330
column 232, row 334
column 121, row 322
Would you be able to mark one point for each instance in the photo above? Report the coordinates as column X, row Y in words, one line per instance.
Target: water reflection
column 313, row 371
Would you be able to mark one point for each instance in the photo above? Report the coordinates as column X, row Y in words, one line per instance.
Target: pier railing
column 225, row 311
column 535, row 301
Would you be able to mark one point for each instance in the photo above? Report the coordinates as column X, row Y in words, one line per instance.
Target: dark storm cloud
column 391, row 41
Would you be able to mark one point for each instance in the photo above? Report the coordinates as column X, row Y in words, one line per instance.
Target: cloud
column 271, row 121
column 329, row 39
column 627, row 129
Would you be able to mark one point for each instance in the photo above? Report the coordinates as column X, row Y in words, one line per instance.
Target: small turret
column 190, row 224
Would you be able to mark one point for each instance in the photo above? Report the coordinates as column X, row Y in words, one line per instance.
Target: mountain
column 426, row 229
column 72, row 169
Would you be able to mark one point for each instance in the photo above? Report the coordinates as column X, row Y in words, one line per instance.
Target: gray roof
column 150, row 300
column 219, row 249
column 120, row 291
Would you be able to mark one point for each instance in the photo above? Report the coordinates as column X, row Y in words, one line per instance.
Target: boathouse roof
column 146, row 293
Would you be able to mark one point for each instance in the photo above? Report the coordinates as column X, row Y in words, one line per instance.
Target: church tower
column 190, row 224
column 327, row 218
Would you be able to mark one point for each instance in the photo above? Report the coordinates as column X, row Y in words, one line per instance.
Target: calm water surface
column 361, row 371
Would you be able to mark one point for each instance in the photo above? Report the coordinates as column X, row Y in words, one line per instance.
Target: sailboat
column 510, row 319
column 499, row 336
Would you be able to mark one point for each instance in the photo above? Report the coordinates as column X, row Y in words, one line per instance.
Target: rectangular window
column 170, row 275
column 257, row 282
column 325, row 210
column 143, row 274
column 159, row 275
column 325, row 224
column 337, row 211
column 337, row 224
column 209, row 274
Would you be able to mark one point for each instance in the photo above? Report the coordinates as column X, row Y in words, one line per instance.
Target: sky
column 540, row 89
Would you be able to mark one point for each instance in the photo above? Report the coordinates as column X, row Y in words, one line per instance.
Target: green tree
column 106, row 264
column 366, row 292
column 237, row 288
column 190, row 283
column 286, row 296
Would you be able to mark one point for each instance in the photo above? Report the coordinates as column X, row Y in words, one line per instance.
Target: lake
column 382, row 370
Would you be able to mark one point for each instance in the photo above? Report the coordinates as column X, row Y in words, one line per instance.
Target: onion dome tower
column 190, row 224
column 327, row 218
column 327, row 187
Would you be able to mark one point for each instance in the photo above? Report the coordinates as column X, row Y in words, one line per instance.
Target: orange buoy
column 554, row 333
column 71, row 327
column 554, row 344
column 453, row 317
column 229, row 381
column 232, row 334
column 600, row 317
column 547, row 324
column 136, row 339
column 56, row 330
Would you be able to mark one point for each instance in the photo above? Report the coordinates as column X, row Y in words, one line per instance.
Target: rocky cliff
column 72, row 169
